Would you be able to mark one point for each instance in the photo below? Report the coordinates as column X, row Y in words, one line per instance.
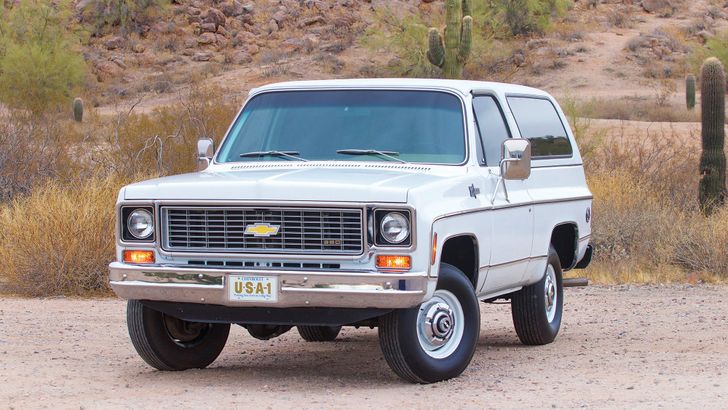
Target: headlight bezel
column 125, row 214
column 379, row 238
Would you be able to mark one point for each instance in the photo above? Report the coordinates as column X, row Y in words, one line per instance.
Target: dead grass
column 647, row 227
column 655, row 109
column 59, row 239
column 164, row 141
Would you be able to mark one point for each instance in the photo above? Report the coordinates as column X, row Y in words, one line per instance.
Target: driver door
column 512, row 212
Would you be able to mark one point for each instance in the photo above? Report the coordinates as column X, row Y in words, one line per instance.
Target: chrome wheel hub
column 440, row 324
column 550, row 293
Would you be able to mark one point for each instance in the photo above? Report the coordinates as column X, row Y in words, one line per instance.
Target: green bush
column 523, row 17
column 406, row 38
column 39, row 61
column 130, row 16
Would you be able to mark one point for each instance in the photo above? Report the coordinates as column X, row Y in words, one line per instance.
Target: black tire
column 528, row 307
column 193, row 346
column 399, row 339
column 318, row 333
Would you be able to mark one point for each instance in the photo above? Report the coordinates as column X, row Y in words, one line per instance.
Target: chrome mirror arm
column 501, row 179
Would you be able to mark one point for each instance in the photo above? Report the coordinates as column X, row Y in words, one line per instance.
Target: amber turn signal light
column 401, row 262
column 434, row 250
column 139, row 256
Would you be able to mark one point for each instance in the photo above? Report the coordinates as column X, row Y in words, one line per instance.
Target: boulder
column 656, row 6
column 208, row 28
column 214, row 16
column 232, row 8
column 202, row 56
column 115, row 42
column 206, row 38
column 280, row 16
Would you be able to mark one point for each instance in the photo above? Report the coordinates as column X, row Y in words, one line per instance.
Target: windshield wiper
column 284, row 154
column 385, row 154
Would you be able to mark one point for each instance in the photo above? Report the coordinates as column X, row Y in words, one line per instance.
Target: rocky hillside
column 600, row 48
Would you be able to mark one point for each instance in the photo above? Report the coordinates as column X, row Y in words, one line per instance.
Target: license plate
column 249, row 288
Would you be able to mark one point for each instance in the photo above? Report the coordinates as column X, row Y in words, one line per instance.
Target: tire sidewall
column 431, row 369
column 178, row 357
column 551, row 328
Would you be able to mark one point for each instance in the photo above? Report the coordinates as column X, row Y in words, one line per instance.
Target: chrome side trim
column 504, row 264
column 531, row 203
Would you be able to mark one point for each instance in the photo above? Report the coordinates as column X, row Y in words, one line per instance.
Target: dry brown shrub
column 629, row 218
column 59, row 239
column 164, row 141
column 647, row 226
column 34, row 148
column 640, row 109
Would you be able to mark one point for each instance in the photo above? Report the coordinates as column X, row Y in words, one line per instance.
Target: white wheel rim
column 440, row 324
column 551, row 294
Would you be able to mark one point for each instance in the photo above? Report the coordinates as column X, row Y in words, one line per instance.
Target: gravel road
column 623, row 346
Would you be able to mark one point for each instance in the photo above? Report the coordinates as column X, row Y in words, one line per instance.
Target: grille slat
column 216, row 229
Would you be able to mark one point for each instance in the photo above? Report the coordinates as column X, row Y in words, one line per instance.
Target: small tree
column 128, row 15
column 524, row 17
column 39, row 63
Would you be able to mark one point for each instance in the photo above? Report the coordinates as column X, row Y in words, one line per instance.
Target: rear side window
column 492, row 128
column 539, row 122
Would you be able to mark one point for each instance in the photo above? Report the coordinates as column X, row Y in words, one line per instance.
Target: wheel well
column 563, row 239
column 462, row 252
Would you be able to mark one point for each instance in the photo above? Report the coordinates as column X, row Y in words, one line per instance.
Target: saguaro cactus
column 712, row 160
column 78, row 109
column 690, row 91
column 451, row 53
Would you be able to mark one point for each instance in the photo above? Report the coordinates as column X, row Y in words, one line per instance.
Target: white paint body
column 513, row 237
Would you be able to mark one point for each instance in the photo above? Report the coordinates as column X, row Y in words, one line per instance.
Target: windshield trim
column 459, row 96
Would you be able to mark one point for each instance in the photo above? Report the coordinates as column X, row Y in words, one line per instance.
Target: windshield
column 411, row 126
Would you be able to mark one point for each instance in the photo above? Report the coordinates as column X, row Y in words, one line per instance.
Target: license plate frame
column 253, row 288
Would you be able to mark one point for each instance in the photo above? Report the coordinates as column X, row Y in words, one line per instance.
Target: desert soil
column 619, row 347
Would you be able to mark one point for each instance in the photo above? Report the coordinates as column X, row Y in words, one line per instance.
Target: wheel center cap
column 439, row 324
column 550, row 294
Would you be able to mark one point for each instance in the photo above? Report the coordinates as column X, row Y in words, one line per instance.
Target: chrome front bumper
column 297, row 288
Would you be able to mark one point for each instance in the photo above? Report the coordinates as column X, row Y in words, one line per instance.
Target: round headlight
column 394, row 227
column 140, row 224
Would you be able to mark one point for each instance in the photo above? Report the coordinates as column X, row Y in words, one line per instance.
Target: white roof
column 461, row 86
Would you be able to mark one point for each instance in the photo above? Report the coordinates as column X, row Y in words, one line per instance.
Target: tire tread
column 319, row 333
column 135, row 322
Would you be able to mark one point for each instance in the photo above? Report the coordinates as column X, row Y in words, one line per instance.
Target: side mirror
column 205, row 151
column 516, row 162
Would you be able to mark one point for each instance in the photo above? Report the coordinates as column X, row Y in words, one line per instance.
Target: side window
column 491, row 126
column 539, row 122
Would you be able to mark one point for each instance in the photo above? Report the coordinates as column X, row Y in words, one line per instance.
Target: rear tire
column 537, row 309
column 319, row 333
column 436, row 340
column 168, row 343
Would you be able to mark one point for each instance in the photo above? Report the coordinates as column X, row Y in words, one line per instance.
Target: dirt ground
column 619, row 347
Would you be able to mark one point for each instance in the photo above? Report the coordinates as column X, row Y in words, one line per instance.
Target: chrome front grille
column 300, row 230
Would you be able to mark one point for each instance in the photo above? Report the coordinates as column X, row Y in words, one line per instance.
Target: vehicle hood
column 340, row 184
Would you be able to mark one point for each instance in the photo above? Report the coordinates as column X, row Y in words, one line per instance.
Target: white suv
column 392, row 203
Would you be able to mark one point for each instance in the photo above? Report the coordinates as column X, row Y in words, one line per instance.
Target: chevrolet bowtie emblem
column 263, row 229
